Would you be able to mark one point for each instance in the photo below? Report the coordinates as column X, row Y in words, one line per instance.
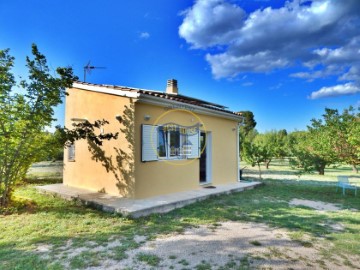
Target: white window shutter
column 149, row 143
column 194, row 139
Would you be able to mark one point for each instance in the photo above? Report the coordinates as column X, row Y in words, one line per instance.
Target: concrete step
column 142, row 207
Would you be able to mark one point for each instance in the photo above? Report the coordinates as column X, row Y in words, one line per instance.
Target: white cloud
column 322, row 35
column 337, row 90
column 330, row 70
column 247, row 84
column 211, row 22
column 144, row 35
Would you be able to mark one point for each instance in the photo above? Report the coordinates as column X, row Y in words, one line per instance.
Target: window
column 161, row 143
column 169, row 141
column 174, row 142
column 71, row 152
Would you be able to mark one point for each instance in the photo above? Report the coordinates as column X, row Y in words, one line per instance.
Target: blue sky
column 284, row 60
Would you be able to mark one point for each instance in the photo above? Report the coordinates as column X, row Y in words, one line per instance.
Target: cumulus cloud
column 211, row 22
column 144, row 35
column 337, row 90
column 322, row 35
column 330, row 70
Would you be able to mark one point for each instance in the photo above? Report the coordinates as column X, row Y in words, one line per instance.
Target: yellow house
column 167, row 142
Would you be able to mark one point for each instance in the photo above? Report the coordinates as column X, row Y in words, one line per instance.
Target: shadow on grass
column 55, row 221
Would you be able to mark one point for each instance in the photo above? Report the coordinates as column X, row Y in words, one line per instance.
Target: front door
column 203, row 157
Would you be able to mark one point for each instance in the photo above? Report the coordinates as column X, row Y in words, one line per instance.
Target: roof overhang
column 158, row 101
column 106, row 90
column 172, row 104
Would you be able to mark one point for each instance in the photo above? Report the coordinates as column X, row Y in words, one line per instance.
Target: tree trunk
column 321, row 169
column 5, row 196
column 354, row 169
column 267, row 163
column 259, row 170
column 3, row 199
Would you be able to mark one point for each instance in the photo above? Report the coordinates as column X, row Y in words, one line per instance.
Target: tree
column 248, row 122
column 275, row 144
column 243, row 138
column 303, row 158
column 53, row 147
column 255, row 153
column 345, row 134
column 314, row 149
column 26, row 109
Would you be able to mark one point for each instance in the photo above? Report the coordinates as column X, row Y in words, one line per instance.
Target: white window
column 169, row 142
column 71, row 152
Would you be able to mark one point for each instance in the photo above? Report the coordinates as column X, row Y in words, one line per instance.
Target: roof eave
column 159, row 101
column 172, row 104
column 106, row 90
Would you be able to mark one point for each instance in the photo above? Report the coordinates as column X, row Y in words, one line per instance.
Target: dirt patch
column 250, row 245
column 318, row 205
column 228, row 245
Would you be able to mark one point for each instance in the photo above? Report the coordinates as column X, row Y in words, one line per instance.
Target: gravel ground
column 228, row 245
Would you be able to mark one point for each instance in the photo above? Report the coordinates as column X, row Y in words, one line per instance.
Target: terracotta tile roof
column 173, row 97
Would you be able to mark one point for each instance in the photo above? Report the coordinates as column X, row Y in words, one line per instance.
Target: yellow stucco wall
column 85, row 172
column 162, row 177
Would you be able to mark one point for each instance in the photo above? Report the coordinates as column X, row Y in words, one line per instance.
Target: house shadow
column 121, row 166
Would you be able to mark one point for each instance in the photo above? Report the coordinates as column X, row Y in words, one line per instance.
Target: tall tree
column 26, row 109
column 247, row 131
column 248, row 122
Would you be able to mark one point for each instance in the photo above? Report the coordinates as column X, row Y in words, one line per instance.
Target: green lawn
column 55, row 225
column 280, row 169
column 45, row 170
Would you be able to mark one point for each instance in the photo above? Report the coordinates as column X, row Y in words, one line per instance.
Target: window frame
column 167, row 138
column 150, row 142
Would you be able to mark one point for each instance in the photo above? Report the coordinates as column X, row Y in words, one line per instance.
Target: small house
column 167, row 142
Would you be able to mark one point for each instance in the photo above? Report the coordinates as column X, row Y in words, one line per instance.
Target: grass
column 85, row 259
column 45, row 170
column 150, row 259
column 64, row 226
column 203, row 266
column 255, row 243
column 183, row 262
column 280, row 169
column 54, row 222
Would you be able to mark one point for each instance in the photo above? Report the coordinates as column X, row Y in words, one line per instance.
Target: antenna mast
column 88, row 68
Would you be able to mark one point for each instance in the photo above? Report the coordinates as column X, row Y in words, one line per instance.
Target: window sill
column 171, row 159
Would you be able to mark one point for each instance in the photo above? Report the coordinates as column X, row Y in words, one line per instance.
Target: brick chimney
column 172, row 87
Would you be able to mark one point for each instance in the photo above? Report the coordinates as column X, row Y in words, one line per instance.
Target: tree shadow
column 122, row 165
column 267, row 204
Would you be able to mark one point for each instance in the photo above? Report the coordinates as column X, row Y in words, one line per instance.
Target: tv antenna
column 88, row 68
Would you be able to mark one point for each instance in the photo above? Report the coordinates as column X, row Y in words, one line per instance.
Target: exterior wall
column 100, row 171
column 164, row 176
